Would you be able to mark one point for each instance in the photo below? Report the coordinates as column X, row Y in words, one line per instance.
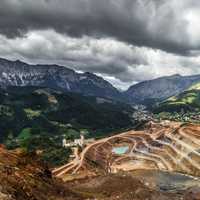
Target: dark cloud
column 126, row 41
column 153, row 23
column 104, row 55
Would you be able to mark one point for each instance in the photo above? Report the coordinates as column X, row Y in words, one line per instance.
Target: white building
column 77, row 142
column 80, row 142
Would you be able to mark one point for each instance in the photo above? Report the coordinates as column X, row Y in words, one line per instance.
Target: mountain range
column 17, row 73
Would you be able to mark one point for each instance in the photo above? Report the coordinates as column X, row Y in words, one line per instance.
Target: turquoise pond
column 120, row 150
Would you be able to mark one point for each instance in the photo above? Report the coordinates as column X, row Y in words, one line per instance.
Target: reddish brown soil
column 23, row 177
column 125, row 187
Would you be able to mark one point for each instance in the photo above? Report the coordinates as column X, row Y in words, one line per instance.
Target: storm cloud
column 125, row 41
column 153, row 23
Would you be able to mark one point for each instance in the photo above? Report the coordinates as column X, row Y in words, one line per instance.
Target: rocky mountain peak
column 160, row 88
column 18, row 73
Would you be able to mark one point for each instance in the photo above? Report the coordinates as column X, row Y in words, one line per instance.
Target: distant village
column 141, row 114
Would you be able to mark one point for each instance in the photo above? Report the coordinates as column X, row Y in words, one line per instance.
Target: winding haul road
column 168, row 146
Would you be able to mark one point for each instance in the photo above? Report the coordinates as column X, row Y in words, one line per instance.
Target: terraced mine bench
column 172, row 147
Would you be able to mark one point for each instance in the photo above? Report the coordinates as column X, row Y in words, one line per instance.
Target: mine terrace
column 166, row 146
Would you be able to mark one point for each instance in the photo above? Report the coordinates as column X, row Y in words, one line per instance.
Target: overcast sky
column 125, row 41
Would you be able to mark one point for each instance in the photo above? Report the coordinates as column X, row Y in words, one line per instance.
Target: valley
column 91, row 141
column 99, row 100
column 38, row 119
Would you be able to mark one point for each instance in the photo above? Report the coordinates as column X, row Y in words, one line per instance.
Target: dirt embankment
column 123, row 186
column 120, row 187
column 23, row 177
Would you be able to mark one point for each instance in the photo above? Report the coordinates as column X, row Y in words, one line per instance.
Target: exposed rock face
column 161, row 88
column 17, row 73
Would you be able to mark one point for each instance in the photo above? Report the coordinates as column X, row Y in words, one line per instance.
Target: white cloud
column 121, row 63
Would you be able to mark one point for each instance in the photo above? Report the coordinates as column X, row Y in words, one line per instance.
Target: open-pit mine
column 168, row 147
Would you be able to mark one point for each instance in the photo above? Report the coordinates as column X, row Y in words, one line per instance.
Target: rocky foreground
column 24, row 177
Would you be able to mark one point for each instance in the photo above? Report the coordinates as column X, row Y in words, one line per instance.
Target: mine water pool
column 167, row 181
column 120, row 150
